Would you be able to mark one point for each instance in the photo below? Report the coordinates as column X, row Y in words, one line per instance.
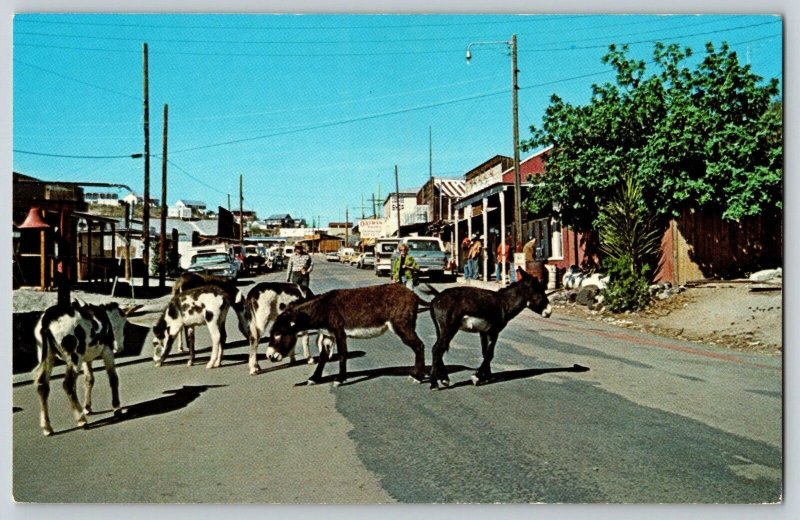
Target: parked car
column 366, row 260
column 345, row 254
column 274, row 258
column 384, row 249
column 254, row 260
column 332, row 257
column 431, row 258
column 217, row 264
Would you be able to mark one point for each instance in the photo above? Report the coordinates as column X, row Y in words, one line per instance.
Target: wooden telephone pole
column 397, row 199
column 346, row 227
column 241, row 212
column 162, row 242
column 146, row 196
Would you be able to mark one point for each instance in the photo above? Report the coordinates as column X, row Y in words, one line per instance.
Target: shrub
column 628, row 290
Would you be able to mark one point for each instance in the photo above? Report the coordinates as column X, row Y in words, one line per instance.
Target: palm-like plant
column 630, row 240
column 628, row 228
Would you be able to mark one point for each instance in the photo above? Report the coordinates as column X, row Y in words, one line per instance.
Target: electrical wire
column 106, row 89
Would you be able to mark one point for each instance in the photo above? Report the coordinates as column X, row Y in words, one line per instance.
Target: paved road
column 651, row 420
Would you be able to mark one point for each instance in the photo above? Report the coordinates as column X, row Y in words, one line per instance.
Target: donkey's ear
column 523, row 275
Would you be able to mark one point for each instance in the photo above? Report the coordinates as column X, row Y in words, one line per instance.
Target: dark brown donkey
column 365, row 312
column 483, row 311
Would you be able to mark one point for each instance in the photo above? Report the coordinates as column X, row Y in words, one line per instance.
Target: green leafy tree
column 709, row 137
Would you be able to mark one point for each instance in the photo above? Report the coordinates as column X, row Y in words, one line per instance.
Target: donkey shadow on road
column 173, row 401
column 361, row 376
column 512, row 375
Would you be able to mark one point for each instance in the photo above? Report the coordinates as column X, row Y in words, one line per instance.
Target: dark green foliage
column 628, row 290
column 628, row 229
column 630, row 241
column 708, row 137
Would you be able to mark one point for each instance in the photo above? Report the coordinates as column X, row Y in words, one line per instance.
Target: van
column 384, row 248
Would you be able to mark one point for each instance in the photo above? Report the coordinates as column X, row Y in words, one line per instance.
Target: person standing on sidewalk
column 503, row 258
column 474, row 256
column 299, row 268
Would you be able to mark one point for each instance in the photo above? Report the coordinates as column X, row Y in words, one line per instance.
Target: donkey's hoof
column 415, row 379
column 47, row 431
column 87, row 410
column 476, row 380
column 117, row 412
column 310, row 360
column 311, row 382
column 81, row 422
column 255, row 371
column 444, row 382
column 337, row 383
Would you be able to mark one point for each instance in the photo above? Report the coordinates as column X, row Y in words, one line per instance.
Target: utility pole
column 162, row 245
column 346, row 227
column 362, row 206
column 430, row 174
column 241, row 212
column 397, row 199
column 517, row 182
column 430, row 153
column 146, row 207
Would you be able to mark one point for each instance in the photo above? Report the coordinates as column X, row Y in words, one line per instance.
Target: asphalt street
column 578, row 412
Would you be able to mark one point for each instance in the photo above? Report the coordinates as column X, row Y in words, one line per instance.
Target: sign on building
column 371, row 227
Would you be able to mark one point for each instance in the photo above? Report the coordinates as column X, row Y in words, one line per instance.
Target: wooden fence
column 699, row 246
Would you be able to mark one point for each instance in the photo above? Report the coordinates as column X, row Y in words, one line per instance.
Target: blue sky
column 315, row 110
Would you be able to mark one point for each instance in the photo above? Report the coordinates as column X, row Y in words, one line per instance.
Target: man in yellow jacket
column 404, row 267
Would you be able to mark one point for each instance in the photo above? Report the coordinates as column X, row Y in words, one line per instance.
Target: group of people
column 404, row 267
column 472, row 251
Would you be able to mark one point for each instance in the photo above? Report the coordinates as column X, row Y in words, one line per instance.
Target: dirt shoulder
column 732, row 315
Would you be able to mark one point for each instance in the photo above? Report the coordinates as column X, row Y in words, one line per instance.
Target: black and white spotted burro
column 207, row 305
column 78, row 333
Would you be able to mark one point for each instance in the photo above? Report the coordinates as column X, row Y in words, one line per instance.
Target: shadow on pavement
column 511, row 375
column 361, row 376
column 173, row 401
column 304, row 362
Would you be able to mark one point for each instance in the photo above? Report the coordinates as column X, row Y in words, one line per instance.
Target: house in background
column 136, row 199
column 186, row 209
column 101, row 198
column 279, row 220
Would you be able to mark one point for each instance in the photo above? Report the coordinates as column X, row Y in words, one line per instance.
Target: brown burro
column 366, row 312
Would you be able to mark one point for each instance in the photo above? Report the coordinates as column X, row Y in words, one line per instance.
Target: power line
column 571, row 48
column 170, row 161
column 516, row 19
column 350, row 41
column 359, row 54
column 106, row 89
column 357, row 119
column 66, row 156
column 346, row 121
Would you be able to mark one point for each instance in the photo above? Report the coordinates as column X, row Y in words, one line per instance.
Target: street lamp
column 512, row 44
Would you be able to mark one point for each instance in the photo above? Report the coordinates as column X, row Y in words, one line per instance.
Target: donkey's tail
column 423, row 305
